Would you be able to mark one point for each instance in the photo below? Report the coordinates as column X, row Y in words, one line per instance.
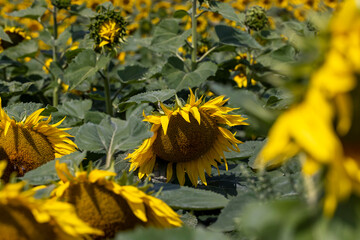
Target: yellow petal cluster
column 105, row 205
column 309, row 126
column 192, row 137
column 31, row 142
column 24, row 217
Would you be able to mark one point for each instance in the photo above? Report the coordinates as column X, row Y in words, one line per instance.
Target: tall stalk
column 108, row 101
column 194, row 36
column 54, row 50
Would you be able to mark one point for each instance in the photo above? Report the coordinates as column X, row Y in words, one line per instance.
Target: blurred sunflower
column 309, row 128
column 240, row 78
column 32, row 142
column 23, row 217
column 105, row 205
column 189, row 137
column 16, row 35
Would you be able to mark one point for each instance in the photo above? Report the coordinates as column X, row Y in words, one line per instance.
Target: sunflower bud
column 61, row 4
column 107, row 28
column 255, row 18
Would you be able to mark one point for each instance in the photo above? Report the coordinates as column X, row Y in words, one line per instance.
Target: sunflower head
column 106, row 205
column 255, row 18
column 16, row 35
column 192, row 138
column 24, row 217
column 107, row 28
column 32, row 142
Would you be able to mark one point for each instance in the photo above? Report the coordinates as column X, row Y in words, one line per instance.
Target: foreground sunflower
column 22, row 217
column 310, row 128
column 105, row 205
column 190, row 137
column 32, row 142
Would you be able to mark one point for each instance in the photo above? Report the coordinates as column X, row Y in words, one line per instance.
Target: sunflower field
column 180, row 119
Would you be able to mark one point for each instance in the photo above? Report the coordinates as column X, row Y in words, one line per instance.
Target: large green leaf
column 180, row 197
column 19, row 111
column 225, row 10
column 83, row 66
column 131, row 73
column 178, row 79
column 75, row 108
column 167, row 36
column 31, row 12
column 170, row 234
column 153, row 96
column 226, row 219
column 112, row 135
column 24, row 49
column 234, row 37
column 46, row 173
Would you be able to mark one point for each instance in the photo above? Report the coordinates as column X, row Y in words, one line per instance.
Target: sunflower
column 105, row 205
column 24, row 217
column 189, row 137
column 32, row 142
column 107, row 28
column 309, row 128
column 16, row 35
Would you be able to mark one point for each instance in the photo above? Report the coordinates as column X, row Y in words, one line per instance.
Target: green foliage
column 180, row 197
column 173, row 234
column 84, row 65
column 111, row 135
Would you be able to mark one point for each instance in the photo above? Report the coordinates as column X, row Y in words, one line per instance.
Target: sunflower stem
column 4, row 74
column 107, row 92
column 194, row 36
column 54, row 50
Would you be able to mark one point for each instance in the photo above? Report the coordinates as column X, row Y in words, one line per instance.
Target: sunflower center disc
column 24, row 149
column 185, row 141
column 101, row 208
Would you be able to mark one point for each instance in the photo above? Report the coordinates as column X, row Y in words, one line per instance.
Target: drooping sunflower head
column 192, row 138
column 16, row 35
column 107, row 29
column 105, row 205
column 24, row 217
column 32, row 142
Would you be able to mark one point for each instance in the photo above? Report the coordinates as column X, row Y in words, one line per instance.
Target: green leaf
column 180, row 14
column 24, row 49
column 234, row 37
column 75, row 108
column 4, row 36
column 226, row 219
column 112, row 135
column 167, row 36
column 84, row 66
column 178, row 79
column 225, row 10
column 153, row 96
column 46, row 173
column 170, row 234
column 21, row 110
column 131, row 73
column 31, row 12
column 180, row 197
column 248, row 149
column 284, row 54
